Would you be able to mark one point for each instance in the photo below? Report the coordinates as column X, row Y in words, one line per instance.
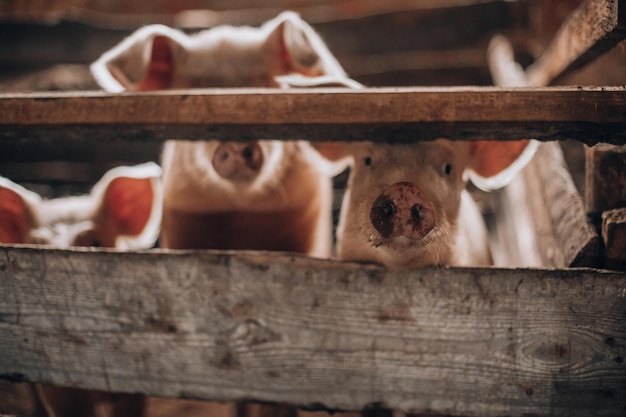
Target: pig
column 264, row 195
column 406, row 205
column 123, row 210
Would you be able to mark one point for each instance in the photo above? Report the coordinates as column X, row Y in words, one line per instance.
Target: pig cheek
column 201, row 162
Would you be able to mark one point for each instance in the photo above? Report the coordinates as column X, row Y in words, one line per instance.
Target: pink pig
column 406, row 205
column 267, row 195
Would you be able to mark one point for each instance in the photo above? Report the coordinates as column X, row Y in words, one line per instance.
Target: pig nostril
column 253, row 156
column 382, row 215
column 387, row 210
column 416, row 213
column 248, row 153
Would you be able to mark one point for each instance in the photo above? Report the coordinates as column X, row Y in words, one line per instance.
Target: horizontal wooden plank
column 290, row 329
column 591, row 30
column 587, row 114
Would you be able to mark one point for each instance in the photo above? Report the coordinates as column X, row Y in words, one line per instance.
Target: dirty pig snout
column 403, row 210
column 238, row 161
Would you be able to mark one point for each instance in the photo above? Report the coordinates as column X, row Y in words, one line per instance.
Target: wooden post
column 614, row 238
column 605, row 199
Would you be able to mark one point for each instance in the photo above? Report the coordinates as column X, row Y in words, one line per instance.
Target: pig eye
column 447, row 168
column 367, row 161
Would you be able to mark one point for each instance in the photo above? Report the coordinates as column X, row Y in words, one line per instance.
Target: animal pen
column 546, row 338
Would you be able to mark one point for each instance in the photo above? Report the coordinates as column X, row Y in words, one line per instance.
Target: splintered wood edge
column 290, row 329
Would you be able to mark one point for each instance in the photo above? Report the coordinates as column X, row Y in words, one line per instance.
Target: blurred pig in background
column 264, row 195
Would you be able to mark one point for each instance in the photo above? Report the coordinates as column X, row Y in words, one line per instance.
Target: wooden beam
column 591, row 30
column 589, row 114
column 290, row 329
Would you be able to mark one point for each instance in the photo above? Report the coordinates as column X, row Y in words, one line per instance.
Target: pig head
column 122, row 211
column 265, row 194
column 406, row 204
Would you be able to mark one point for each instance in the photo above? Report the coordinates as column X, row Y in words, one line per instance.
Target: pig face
column 215, row 176
column 403, row 203
column 122, row 211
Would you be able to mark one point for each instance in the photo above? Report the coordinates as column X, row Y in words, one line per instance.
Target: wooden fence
column 284, row 328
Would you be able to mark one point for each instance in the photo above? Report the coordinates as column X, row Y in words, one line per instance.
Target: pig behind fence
column 406, row 205
column 266, row 195
column 122, row 211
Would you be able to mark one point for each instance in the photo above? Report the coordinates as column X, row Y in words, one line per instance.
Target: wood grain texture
column 591, row 30
column 587, row 114
column 290, row 329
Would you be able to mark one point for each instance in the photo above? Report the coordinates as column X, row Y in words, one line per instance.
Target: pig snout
column 403, row 210
column 238, row 161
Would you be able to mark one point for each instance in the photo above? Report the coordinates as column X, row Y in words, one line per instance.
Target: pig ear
column 298, row 49
column 142, row 62
column 130, row 205
column 493, row 164
column 17, row 206
column 337, row 155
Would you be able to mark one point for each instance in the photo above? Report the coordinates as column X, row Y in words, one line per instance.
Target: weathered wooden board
column 290, row 329
column 592, row 29
column 590, row 114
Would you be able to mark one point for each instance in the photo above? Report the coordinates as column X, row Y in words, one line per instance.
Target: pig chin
column 401, row 252
column 404, row 242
